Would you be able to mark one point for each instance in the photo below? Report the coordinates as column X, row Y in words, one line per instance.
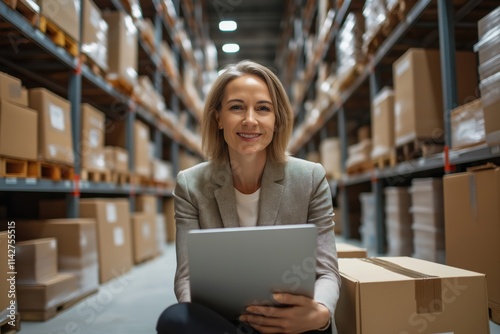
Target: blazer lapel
column 225, row 197
column 270, row 194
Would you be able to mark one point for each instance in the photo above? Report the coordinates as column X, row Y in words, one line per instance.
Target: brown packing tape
column 428, row 289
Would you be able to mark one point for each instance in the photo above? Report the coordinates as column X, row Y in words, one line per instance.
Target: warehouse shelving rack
column 449, row 16
column 30, row 55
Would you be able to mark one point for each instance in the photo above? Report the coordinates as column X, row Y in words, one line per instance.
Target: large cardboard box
column 114, row 241
column 11, row 90
column 95, row 35
column 55, row 141
column 350, row 251
column 18, row 131
column 472, row 223
column 36, row 260
column 144, row 242
column 92, row 148
column 407, row 295
column 418, row 94
column 65, row 14
column 122, row 47
column 76, row 246
column 383, row 123
column 47, row 294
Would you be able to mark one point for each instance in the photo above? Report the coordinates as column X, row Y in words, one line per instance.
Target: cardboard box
column 76, row 239
column 95, row 35
column 47, row 294
column 113, row 235
column 77, row 246
column 418, row 96
column 11, row 90
column 170, row 219
column 64, row 14
column 330, row 157
column 92, row 128
column 472, row 223
column 36, row 260
column 116, row 159
column 18, row 131
column 55, row 141
column 383, row 123
column 467, row 125
column 146, row 204
column 93, row 156
column 122, row 47
column 161, row 171
column 406, row 295
column 144, row 242
column 350, row 251
column 490, row 90
column 117, row 135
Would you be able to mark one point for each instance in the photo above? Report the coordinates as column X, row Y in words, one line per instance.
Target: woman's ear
column 217, row 119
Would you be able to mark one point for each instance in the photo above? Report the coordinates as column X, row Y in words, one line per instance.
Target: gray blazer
column 294, row 193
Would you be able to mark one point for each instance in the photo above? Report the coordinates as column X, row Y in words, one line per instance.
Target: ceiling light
column 227, row 25
column 230, row 48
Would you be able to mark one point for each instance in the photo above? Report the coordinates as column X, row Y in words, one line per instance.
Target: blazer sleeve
column 186, row 218
column 327, row 287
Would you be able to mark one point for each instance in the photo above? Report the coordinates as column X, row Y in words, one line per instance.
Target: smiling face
column 247, row 117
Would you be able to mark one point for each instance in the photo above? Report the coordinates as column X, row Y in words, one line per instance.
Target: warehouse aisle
column 127, row 305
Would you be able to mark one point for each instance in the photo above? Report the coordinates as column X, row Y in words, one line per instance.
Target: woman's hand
column 301, row 314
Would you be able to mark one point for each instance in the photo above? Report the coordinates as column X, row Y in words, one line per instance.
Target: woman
column 249, row 181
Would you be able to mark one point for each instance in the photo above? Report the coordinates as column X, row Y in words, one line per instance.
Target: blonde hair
column 213, row 143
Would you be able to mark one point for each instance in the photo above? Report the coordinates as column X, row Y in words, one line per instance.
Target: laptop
column 231, row 268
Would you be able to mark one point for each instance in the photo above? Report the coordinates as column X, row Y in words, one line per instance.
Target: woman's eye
column 235, row 107
column 264, row 108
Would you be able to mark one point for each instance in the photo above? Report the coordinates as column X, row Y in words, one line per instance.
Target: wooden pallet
column 7, row 328
column 418, row 148
column 120, row 177
column 50, row 170
column 386, row 160
column 120, row 84
column 94, row 67
column 11, row 167
column 23, row 8
column 142, row 180
column 43, row 315
column 58, row 36
column 494, row 311
column 359, row 168
column 95, row 176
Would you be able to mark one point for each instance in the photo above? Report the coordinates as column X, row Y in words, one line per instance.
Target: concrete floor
column 127, row 305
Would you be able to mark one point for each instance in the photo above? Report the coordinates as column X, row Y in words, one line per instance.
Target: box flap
column 489, row 165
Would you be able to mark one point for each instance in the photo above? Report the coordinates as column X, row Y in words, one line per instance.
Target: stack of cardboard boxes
column 93, row 156
column 368, row 228
column 428, row 219
column 144, row 229
column 398, row 221
column 488, row 49
column 40, row 287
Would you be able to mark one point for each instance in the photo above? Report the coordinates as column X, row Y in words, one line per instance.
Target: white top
column 247, row 207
